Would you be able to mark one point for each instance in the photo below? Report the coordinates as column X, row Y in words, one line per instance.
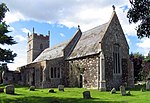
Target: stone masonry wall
column 63, row 65
column 115, row 35
column 88, row 68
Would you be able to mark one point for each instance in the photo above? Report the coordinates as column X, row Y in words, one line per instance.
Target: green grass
column 72, row 95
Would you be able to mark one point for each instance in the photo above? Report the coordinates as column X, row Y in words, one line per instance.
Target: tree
column 5, row 55
column 140, row 12
column 137, row 60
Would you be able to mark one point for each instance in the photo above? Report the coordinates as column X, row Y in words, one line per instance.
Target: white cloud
column 144, row 45
column 62, row 35
column 2, row 46
column 11, row 29
column 20, row 38
column 72, row 13
column 25, row 30
column 13, row 17
column 19, row 61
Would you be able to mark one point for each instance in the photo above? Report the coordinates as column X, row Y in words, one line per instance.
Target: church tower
column 36, row 44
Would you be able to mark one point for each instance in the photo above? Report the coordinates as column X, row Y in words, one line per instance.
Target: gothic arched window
column 116, row 59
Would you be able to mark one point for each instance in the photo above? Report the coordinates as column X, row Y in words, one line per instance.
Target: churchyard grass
column 71, row 95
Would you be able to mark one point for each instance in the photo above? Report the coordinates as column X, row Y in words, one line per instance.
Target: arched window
column 41, row 46
column 116, row 59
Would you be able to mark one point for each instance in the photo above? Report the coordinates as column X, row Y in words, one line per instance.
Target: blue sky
column 61, row 18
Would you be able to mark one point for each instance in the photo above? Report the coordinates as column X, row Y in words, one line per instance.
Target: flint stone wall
column 88, row 68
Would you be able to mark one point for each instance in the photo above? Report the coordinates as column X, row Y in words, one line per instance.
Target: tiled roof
column 89, row 42
column 87, row 45
column 51, row 53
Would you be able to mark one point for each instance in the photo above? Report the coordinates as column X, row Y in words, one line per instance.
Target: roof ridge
column 96, row 27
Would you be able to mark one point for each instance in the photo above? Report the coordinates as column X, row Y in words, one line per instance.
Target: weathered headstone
column 142, row 90
column 113, row 91
column 52, row 91
column 10, row 89
column 122, row 90
column 148, row 85
column 86, row 95
column 32, row 88
column 1, row 90
column 61, row 87
column 128, row 93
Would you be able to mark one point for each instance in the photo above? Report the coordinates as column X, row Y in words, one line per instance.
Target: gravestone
column 86, row 95
column 32, row 88
column 61, row 87
column 142, row 89
column 148, row 85
column 10, row 89
column 113, row 91
column 128, row 93
column 1, row 90
column 122, row 90
column 52, row 91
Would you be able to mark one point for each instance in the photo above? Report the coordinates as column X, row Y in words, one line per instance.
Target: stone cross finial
column 113, row 7
column 78, row 26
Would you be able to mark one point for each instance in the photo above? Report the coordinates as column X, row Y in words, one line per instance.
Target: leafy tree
column 140, row 12
column 137, row 60
column 146, row 67
column 5, row 55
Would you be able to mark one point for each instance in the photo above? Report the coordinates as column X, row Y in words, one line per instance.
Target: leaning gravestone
column 86, row 95
column 1, row 90
column 122, row 90
column 148, row 85
column 113, row 91
column 61, row 87
column 10, row 89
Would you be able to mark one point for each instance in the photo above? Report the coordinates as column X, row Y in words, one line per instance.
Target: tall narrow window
column 55, row 72
column 58, row 72
column 52, row 73
column 41, row 46
column 116, row 59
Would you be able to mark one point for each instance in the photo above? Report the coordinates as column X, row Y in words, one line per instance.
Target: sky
column 61, row 18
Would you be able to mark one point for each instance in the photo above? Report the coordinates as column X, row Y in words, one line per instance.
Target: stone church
column 97, row 58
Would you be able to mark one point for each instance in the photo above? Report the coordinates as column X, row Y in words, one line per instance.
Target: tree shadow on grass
column 37, row 99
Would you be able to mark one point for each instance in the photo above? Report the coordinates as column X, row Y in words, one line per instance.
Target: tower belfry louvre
column 36, row 44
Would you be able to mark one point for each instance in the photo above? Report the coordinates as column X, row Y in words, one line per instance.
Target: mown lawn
column 71, row 95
